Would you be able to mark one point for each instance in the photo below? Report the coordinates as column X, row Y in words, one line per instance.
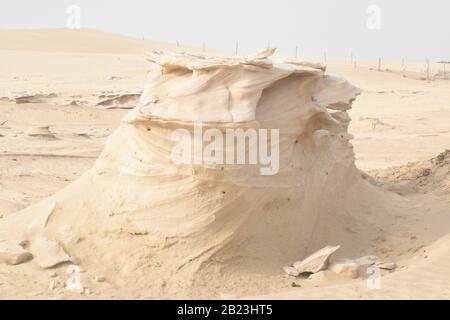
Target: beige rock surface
column 13, row 253
column 48, row 253
column 316, row 262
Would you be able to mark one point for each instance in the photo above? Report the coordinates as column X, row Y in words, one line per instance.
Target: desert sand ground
column 82, row 83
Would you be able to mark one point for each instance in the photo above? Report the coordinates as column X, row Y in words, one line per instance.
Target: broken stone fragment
column 42, row 132
column 316, row 262
column 366, row 261
column 386, row 265
column 291, row 271
column 100, row 278
column 321, row 277
column 13, row 253
column 346, row 268
column 48, row 253
column 20, row 97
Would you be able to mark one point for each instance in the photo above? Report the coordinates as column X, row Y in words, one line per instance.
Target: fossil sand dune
column 96, row 187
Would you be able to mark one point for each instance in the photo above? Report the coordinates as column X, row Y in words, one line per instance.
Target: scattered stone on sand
column 119, row 100
column 20, row 97
column 346, row 268
column 386, row 265
column 316, row 262
column 113, row 78
column 48, row 253
column 295, row 285
column 321, row 277
column 84, row 135
column 13, row 253
column 41, row 132
column 291, row 271
column 100, row 278
column 2, row 122
column 366, row 261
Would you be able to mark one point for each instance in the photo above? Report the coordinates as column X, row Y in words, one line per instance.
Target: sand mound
column 180, row 228
column 442, row 75
column 75, row 41
column 422, row 177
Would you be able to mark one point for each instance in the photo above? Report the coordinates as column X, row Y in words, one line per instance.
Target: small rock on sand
column 100, row 278
column 386, row 265
column 12, row 252
column 321, row 277
column 316, row 262
column 48, row 253
column 365, row 261
column 291, row 271
column 41, row 132
column 113, row 78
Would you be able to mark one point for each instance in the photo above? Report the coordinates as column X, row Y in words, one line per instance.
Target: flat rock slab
column 316, row 262
column 346, row 268
column 48, row 253
column 291, row 271
column 12, row 252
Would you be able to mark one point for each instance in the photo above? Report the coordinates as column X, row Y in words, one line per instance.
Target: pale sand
column 395, row 120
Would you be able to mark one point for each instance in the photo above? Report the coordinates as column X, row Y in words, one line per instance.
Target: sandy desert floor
column 81, row 84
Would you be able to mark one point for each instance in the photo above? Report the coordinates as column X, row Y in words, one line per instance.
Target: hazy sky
column 392, row 29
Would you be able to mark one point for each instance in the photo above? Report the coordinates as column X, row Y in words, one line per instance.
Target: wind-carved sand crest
column 138, row 212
